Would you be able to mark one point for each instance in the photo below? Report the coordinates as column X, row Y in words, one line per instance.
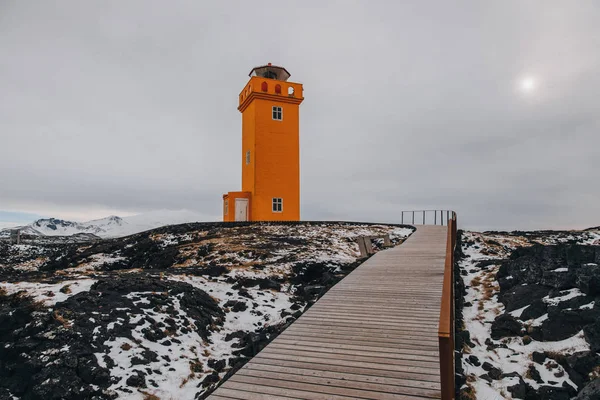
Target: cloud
column 127, row 107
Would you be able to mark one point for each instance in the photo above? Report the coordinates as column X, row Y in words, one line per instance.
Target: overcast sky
column 488, row 108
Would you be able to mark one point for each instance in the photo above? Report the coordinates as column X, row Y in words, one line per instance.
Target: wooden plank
column 425, row 365
column 345, row 330
column 396, row 315
column 353, row 346
column 328, row 306
column 346, row 376
column 373, row 336
column 371, row 321
column 237, row 391
column 375, row 354
column 432, row 373
column 415, row 379
column 414, row 330
column 334, row 338
column 276, row 391
column 331, row 392
column 385, row 390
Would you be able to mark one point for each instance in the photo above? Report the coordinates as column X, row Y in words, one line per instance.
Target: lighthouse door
column 241, row 209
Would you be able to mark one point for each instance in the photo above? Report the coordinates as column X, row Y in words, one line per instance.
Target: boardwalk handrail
column 446, row 323
column 427, row 213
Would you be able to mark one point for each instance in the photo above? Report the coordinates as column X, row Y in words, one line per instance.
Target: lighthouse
column 270, row 107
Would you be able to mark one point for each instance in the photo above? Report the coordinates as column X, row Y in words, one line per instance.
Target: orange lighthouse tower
column 270, row 107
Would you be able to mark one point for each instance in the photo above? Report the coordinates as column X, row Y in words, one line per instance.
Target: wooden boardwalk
column 374, row 335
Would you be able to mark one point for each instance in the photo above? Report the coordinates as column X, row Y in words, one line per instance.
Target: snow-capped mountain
column 112, row 226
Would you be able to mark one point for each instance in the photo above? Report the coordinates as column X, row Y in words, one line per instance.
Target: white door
column 241, row 209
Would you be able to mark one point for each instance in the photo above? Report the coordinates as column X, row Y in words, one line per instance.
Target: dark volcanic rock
column 236, row 305
column 519, row 390
column 558, row 279
column 562, row 324
column 592, row 335
column 534, row 374
column 521, row 296
column 534, row 264
column 137, row 380
column 538, row 357
column 591, row 391
column 473, row 360
column 536, row 309
column 505, row 325
column 492, row 371
column 588, row 279
column 31, row 335
column 554, row 393
column 583, row 362
column 217, row 365
column 23, row 362
column 210, row 379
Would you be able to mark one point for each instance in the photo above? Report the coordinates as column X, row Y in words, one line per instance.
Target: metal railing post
column 413, row 218
column 423, row 217
column 402, row 218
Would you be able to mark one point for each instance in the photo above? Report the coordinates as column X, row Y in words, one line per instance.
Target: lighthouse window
column 277, row 204
column 277, row 113
column 248, row 157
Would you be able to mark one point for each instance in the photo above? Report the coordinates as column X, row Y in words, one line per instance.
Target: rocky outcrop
column 550, row 293
column 588, row 279
column 521, row 296
column 44, row 357
column 506, row 325
column 554, row 266
column 591, row 391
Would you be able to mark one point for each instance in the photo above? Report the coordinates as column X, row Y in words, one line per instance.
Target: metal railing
column 446, row 323
column 427, row 217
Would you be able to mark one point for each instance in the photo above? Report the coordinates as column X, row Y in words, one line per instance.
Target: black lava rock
column 138, row 379
column 209, row 380
column 236, row 305
column 538, row 357
column 592, row 335
column 217, row 365
column 583, row 362
column 554, row 393
column 521, row 296
column 492, row 371
column 473, row 360
column 536, row 309
column 591, row 391
column 562, row 324
column 505, row 325
column 588, row 279
column 533, row 265
column 534, row 374
column 519, row 390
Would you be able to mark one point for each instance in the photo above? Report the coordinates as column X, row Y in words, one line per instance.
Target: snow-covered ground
column 165, row 313
column 507, row 356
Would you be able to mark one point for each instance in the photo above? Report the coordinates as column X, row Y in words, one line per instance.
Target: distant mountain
column 108, row 227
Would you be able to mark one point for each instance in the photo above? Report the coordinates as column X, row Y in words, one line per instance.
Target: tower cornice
column 279, row 98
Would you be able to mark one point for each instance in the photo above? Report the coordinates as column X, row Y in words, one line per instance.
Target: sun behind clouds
column 528, row 84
